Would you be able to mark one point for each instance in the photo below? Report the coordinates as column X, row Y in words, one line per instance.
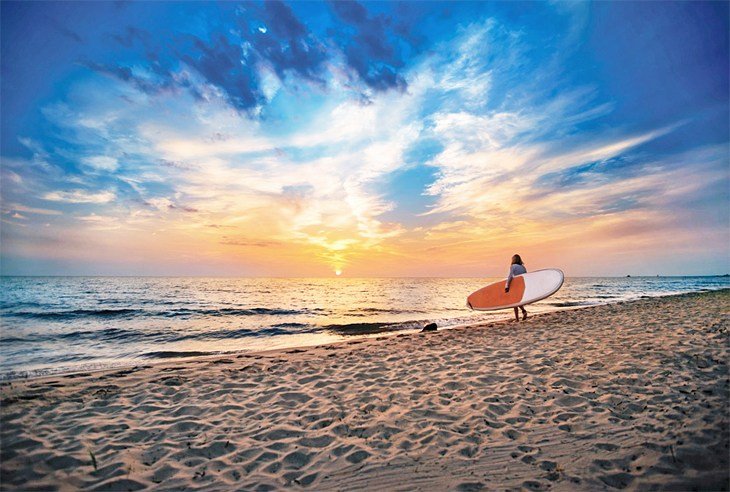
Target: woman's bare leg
column 517, row 316
column 524, row 313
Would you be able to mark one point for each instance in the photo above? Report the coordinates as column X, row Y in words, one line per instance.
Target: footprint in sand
column 470, row 486
column 297, row 460
column 273, row 467
column 164, row 473
column 263, row 458
column 316, row 442
column 603, row 464
column 64, row 462
column 121, row 484
column 513, row 434
column 617, row 480
column 357, row 456
column 468, row 451
column 340, row 450
column 307, row 480
column 570, row 401
column 548, row 465
column 533, row 485
column 278, row 434
column 605, row 446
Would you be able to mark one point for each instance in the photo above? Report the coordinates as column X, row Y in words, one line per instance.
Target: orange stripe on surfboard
column 494, row 295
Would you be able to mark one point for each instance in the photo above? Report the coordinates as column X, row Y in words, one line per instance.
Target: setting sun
column 338, row 272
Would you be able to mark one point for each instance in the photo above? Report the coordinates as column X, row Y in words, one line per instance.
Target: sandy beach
column 630, row 395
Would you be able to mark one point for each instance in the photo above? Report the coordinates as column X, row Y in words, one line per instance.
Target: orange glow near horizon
column 587, row 246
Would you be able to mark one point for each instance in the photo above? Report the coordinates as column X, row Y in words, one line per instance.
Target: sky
column 364, row 139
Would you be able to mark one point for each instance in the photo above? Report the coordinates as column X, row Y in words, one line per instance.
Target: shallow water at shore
column 53, row 324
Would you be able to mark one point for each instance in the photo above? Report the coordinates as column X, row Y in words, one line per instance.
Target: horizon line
column 347, row 277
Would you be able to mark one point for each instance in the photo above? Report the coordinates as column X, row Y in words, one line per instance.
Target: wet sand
column 631, row 395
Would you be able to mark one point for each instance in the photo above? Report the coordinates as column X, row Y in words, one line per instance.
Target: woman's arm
column 509, row 279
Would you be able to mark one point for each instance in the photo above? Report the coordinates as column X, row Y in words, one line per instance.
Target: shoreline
column 25, row 376
column 625, row 395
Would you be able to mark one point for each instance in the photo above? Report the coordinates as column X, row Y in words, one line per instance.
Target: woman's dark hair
column 516, row 260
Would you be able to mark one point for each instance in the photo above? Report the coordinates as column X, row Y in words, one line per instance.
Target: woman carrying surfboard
column 521, row 288
column 516, row 268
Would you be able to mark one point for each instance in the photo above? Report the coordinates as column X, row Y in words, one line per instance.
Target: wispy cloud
column 80, row 196
column 31, row 210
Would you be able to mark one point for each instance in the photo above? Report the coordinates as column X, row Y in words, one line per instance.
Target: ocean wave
column 369, row 311
column 15, row 304
column 75, row 313
column 256, row 311
column 571, row 303
column 14, row 340
column 170, row 354
column 116, row 334
column 175, row 313
column 107, row 334
column 269, row 331
column 370, row 328
column 120, row 335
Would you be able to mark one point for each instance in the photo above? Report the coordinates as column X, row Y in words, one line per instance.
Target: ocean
column 63, row 324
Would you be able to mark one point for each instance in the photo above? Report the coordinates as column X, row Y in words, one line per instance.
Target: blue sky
column 369, row 138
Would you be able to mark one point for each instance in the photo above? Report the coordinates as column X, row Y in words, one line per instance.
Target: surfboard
column 524, row 289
